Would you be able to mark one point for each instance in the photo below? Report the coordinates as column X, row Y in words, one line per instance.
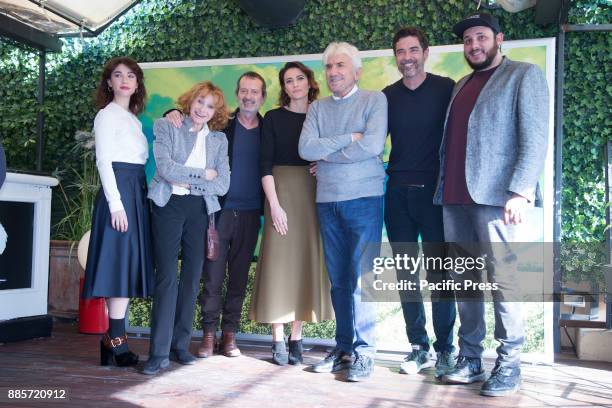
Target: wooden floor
column 69, row 361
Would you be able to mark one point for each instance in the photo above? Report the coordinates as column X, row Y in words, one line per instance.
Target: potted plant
column 77, row 199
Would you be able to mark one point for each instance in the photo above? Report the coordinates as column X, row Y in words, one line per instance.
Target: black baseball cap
column 475, row 20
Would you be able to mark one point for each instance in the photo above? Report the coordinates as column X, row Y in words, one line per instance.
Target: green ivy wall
column 188, row 29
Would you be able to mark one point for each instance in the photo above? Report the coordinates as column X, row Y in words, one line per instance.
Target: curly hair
column 104, row 95
column 313, row 92
column 203, row 89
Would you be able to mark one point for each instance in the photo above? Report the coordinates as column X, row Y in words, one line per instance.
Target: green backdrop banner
column 167, row 80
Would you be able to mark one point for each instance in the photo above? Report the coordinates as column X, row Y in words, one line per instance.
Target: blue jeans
column 410, row 212
column 351, row 232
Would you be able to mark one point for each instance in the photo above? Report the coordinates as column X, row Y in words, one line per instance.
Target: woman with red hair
column 192, row 172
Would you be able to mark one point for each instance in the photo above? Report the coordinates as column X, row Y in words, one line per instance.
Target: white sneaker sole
column 412, row 369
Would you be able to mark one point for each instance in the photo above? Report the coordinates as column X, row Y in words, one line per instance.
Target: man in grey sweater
column 345, row 133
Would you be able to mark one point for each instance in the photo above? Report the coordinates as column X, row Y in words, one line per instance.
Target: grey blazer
column 507, row 135
column 171, row 149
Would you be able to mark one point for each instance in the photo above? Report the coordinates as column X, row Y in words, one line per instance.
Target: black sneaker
column 361, row 369
column 154, row 364
column 466, row 371
column 502, row 382
column 183, row 357
column 336, row 360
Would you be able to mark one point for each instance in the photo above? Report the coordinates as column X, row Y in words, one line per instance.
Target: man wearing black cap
column 491, row 159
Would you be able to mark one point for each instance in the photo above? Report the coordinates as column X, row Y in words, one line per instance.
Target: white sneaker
column 416, row 361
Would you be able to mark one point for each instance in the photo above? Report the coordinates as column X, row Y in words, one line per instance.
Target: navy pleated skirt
column 119, row 264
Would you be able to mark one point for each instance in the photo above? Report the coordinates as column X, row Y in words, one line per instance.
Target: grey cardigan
column 507, row 135
column 171, row 149
column 346, row 170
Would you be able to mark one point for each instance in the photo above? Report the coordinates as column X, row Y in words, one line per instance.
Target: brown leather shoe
column 228, row 345
column 205, row 349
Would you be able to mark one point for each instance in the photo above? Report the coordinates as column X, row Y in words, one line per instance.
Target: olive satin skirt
column 291, row 281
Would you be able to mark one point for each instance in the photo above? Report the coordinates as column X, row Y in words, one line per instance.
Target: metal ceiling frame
column 35, row 38
column 28, row 35
column 563, row 28
column 89, row 32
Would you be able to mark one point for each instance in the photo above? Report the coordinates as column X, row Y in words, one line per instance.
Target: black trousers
column 409, row 212
column 238, row 231
column 179, row 225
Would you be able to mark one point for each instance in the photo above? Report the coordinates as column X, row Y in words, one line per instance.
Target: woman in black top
column 291, row 283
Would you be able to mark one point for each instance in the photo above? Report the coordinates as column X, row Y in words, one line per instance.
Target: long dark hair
column 313, row 92
column 104, row 95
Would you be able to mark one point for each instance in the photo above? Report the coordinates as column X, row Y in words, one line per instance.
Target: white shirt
column 197, row 157
column 118, row 138
column 352, row 91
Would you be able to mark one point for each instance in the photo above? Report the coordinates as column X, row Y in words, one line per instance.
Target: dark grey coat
column 507, row 135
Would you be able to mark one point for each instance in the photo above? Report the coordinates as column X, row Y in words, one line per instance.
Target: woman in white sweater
column 119, row 262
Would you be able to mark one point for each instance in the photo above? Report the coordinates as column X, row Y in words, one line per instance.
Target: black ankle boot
column 295, row 352
column 109, row 352
column 279, row 353
column 116, row 328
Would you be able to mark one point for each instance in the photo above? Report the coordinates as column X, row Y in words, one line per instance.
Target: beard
column 416, row 68
column 490, row 56
column 248, row 104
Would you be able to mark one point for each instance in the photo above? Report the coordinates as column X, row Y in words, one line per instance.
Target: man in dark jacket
column 238, row 222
